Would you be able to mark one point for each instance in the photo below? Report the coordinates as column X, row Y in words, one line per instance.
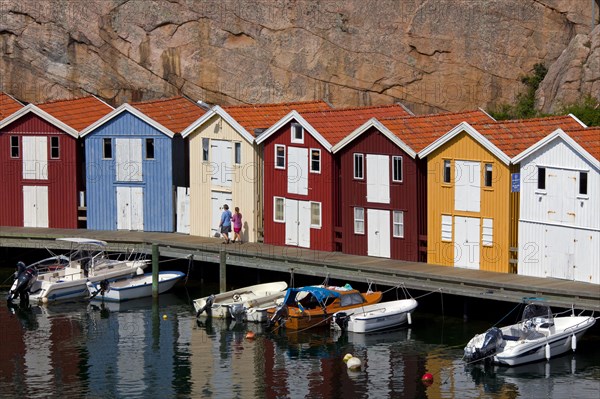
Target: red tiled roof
column 514, row 136
column 589, row 139
column 420, row 131
column 78, row 113
column 174, row 113
column 335, row 124
column 263, row 116
column 8, row 105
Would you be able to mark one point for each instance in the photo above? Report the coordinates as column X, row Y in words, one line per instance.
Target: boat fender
column 354, row 364
column 547, row 350
column 409, row 318
column 427, row 379
column 573, row 342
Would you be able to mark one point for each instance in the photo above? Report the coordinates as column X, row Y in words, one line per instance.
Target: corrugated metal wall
column 63, row 174
column 494, row 203
column 559, row 229
column 244, row 187
column 403, row 196
column 157, row 176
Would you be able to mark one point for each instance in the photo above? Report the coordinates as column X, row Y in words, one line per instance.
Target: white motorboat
column 538, row 336
column 64, row 277
column 376, row 317
column 128, row 288
column 249, row 303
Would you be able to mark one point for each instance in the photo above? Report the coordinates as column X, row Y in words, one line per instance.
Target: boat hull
column 138, row 286
column 382, row 316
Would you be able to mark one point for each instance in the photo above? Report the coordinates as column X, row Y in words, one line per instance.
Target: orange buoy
column 249, row 335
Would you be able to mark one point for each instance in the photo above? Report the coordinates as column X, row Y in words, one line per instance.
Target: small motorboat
column 538, row 336
column 315, row 305
column 64, row 277
column 125, row 289
column 245, row 303
column 377, row 317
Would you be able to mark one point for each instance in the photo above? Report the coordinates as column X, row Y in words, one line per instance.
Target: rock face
column 430, row 54
column 575, row 72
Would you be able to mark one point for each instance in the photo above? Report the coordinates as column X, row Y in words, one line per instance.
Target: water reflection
column 142, row 348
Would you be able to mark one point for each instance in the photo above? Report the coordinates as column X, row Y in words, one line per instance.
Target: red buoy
column 427, row 379
column 250, row 335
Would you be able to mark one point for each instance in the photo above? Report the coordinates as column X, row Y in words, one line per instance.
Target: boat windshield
column 353, row 298
column 534, row 310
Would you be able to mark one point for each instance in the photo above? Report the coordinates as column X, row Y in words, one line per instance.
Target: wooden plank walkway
column 413, row 275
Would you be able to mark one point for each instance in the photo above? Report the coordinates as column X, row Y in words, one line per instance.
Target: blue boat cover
column 320, row 294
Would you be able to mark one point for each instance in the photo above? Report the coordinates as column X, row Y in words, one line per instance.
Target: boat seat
column 510, row 337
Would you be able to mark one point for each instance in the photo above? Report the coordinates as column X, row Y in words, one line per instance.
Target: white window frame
column 447, row 166
column 357, row 220
column 205, row 149
column 17, row 146
column 275, row 200
column 539, row 169
column 53, row 147
column 311, row 160
column 587, row 184
column 394, row 158
column 447, row 233
column 399, row 224
column 315, row 225
column 112, row 150
column 294, row 127
column 146, row 148
column 237, row 153
column 487, row 232
column 485, row 173
column 284, row 156
column 362, row 165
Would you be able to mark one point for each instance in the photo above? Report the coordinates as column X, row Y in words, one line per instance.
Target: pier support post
column 155, row 256
column 222, row 271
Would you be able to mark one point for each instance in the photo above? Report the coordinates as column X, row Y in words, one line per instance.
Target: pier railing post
column 222, row 270
column 155, row 256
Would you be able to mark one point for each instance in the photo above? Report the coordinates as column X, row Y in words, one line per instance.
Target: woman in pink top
column 237, row 224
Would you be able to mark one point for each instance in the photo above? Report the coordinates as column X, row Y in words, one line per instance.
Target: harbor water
column 143, row 348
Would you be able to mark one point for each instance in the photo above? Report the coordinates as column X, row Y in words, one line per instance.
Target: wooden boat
column 538, row 336
column 315, row 305
column 125, row 289
column 377, row 317
column 236, row 302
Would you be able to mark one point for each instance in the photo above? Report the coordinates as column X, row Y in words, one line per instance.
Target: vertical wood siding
column 403, row 197
column 245, row 184
column 320, row 189
column 157, row 176
column 64, row 174
column 494, row 204
column 559, row 230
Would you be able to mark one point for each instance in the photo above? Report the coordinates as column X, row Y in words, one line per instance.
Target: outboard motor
column 207, row 306
column 237, row 311
column 104, row 287
column 280, row 316
column 341, row 319
column 484, row 345
column 24, row 279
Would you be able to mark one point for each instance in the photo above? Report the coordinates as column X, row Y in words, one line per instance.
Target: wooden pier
column 412, row 275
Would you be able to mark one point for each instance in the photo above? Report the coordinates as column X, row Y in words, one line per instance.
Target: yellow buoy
column 165, row 317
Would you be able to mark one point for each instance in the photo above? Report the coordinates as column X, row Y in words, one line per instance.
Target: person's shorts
column 225, row 229
column 237, row 229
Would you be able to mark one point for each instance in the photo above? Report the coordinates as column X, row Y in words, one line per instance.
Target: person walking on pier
column 225, row 224
column 237, row 225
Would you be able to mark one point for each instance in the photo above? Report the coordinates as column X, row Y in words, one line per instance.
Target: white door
column 297, row 223
column 466, row 242
column 559, row 252
column 130, row 208
column 217, row 200
column 35, row 206
column 183, row 210
column 378, row 178
column 378, row 233
column 128, row 158
column 35, row 157
column 297, row 170
column 221, row 157
column 467, row 189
